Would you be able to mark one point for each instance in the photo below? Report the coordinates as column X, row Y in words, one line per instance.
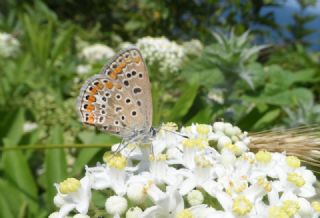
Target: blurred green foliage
column 255, row 87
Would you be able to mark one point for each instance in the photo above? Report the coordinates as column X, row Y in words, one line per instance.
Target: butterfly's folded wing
column 119, row 99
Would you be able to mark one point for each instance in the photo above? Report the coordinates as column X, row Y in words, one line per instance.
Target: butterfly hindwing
column 119, row 99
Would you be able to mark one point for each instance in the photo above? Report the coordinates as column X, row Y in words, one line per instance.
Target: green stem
column 25, row 147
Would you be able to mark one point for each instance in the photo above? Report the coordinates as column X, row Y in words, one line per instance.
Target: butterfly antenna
column 177, row 133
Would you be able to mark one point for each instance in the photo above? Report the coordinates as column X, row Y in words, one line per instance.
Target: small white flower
column 113, row 175
column 79, row 215
column 83, row 69
column 160, row 51
column 9, row 45
column 29, row 127
column 201, row 176
column 54, row 215
column 134, row 212
column 96, row 52
column 116, row 205
column 195, row 197
column 136, row 193
column 167, row 204
column 73, row 194
column 299, row 181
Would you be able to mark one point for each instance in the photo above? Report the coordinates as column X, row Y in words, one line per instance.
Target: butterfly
column 118, row 100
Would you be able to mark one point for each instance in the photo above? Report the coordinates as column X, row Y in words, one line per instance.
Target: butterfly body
column 118, row 100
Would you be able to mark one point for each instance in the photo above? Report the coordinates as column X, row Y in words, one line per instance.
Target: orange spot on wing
column 109, row 85
column 94, row 90
column 91, row 118
column 113, row 75
column 122, row 65
column 128, row 60
column 119, row 86
column 99, row 86
column 137, row 60
column 90, row 108
column 117, row 70
column 91, row 98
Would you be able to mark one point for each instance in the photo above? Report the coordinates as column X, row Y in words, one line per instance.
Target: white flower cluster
column 201, row 171
column 9, row 45
column 97, row 52
column 168, row 55
column 92, row 54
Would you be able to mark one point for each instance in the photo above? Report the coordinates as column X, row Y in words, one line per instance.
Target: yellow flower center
column 160, row 157
column 296, row 179
column 202, row 162
column 116, row 161
column 293, row 161
column 192, row 143
column 316, row 206
column 265, row 184
column 290, row 207
column 241, row 206
column 277, row 212
column 263, row 157
column 241, row 187
column 171, row 126
column 185, row 214
column 232, row 147
column 202, row 129
column 147, row 187
column 69, row 185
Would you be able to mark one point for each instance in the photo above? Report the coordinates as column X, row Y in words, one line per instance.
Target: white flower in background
column 73, row 194
column 9, row 45
column 168, row 55
column 83, row 69
column 191, row 165
column 193, row 47
column 125, row 45
column 96, row 52
column 29, row 126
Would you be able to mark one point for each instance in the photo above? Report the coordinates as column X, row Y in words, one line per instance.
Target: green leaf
column 17, row 171
column 285, row 98
column 55, row 164
column 185, row 101
column 9, row 199
column 86, row 154
column 15, row 131
column 5, row 208
column 267, row 119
